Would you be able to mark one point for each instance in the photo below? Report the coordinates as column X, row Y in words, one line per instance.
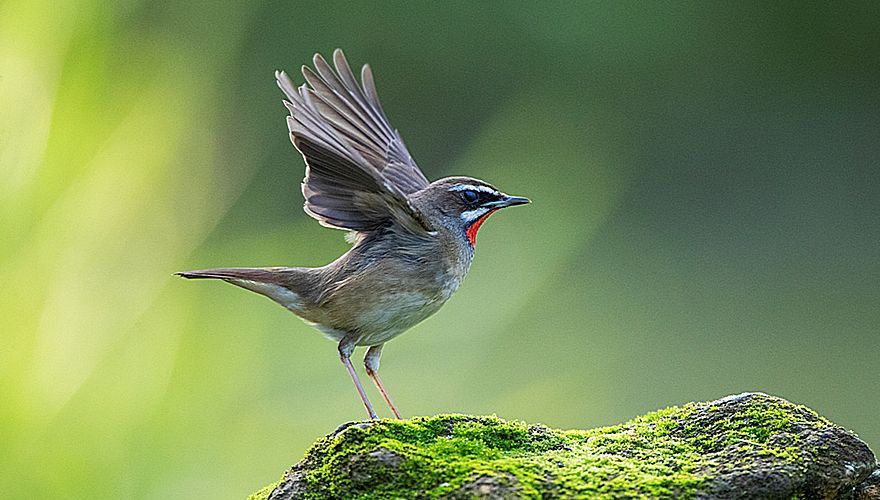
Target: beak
column 507, row 201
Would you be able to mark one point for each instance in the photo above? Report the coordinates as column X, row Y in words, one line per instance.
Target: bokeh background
column 705, row 222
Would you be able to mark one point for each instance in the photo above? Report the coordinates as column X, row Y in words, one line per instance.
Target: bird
column 412, row 240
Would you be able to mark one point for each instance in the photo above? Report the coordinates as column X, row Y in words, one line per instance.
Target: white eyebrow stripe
column 470, row 187
column 472, row 215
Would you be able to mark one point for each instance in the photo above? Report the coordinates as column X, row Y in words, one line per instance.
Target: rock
column 746, row 446
column 869, row 489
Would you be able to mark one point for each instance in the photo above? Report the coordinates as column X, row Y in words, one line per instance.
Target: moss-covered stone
column 748, row 446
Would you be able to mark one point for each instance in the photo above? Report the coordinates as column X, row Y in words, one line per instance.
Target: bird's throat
column 475, row 226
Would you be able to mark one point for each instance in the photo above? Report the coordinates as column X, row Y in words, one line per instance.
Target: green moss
column 665, row 453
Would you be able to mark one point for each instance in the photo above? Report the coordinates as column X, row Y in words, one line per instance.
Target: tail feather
column 264, row 274
column 284, row 285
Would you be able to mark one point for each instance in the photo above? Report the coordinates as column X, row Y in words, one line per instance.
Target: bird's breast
column 384, row 293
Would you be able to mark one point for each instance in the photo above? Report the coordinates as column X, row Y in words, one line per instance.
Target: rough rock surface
column 746, row 446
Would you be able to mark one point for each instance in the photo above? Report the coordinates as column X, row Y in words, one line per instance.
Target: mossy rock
column 746, row 446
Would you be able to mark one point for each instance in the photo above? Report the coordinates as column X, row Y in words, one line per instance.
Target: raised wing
column 358, row 171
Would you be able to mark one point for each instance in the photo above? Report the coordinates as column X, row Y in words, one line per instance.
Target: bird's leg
column 346, row 347
column 371, row 363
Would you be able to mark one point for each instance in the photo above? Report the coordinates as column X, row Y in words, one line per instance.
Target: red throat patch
column 472, row 230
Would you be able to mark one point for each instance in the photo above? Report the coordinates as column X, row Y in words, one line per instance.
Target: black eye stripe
column 470, row 196
column 476, row 195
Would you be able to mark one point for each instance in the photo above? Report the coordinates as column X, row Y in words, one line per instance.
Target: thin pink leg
column 375, row 376
column 371, row 363
column 359, row 387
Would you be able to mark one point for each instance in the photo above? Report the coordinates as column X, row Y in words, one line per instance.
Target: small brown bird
column 413, row 241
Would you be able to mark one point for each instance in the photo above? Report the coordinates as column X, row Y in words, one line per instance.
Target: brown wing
column 358, row 171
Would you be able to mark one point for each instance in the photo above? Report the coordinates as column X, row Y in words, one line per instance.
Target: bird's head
column 462, row 204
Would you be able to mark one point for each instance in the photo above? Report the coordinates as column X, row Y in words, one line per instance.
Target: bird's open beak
column 508, row 201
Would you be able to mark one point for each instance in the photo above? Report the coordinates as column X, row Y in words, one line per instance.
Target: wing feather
column 358, row 170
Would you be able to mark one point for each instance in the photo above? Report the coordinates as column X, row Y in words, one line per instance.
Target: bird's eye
column 469, row 196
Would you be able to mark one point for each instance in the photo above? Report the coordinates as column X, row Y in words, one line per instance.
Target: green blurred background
column 705, row 222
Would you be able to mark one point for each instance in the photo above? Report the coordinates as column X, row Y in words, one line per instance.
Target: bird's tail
column 281, row 284
column 230, row 273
